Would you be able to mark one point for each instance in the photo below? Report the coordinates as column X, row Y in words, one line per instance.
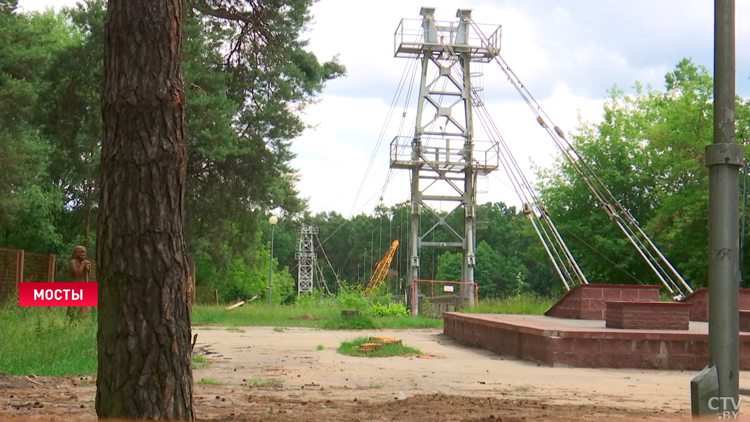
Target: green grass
column 235, row 330
column 320, row 347
column 522, row 304
column 351, row 348
column 209, row 381
column 45, row 342
column 279, row 329
column 326, row 315
column 374, row 384
column 199, row 362
column 264, row 314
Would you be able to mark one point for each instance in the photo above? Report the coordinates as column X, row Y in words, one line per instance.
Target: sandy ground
column 269, row 375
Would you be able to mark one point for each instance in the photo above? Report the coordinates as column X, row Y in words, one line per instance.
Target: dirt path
column 267, row 375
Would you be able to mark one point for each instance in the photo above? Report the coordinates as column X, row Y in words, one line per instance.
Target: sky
column 568, row 54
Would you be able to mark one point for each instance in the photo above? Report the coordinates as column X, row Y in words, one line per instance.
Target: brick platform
column 586, row 301
column 586, row 343
column 648, row 315
column 699, row 299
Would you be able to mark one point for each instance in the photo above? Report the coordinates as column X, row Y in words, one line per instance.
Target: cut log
column 235, row 306
column 368, row 347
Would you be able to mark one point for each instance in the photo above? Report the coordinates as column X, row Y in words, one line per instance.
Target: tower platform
column 586, row 343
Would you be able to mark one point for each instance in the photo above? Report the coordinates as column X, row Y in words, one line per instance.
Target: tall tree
column 144, row 324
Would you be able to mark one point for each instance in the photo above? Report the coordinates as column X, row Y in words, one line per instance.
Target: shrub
column 390, row 310
column 352, row 298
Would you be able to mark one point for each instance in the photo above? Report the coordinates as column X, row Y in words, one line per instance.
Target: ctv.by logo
column 716, row 403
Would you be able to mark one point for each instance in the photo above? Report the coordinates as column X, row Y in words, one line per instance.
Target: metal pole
column 270, row 270
column 724, row 159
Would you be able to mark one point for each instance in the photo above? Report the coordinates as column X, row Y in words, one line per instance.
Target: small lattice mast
column 307, row 259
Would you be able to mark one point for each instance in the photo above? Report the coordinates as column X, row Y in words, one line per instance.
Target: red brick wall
column 499, row 338
column 699, row 299
column 744, row 320
column 586, row 301
column 600, row 349
column 648, row 315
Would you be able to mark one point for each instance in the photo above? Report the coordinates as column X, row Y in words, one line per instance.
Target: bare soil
column 267, row 375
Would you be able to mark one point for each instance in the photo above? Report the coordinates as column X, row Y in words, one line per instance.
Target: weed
column 374, row 384
column 235, row 330
column 279, row 329
column 265, row 382
column 320, row 347
column 199, row 362
column 209, row 381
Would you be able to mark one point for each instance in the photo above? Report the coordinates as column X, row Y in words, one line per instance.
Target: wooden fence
column 18, row 266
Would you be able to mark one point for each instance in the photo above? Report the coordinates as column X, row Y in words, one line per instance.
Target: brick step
column 586, row 301
column 648, row 315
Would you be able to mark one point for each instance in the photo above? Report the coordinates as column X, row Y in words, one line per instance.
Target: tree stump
column 351, row 313
column 385, row 340
column 368, row 347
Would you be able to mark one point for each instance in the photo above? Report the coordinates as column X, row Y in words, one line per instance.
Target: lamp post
column 272, row 220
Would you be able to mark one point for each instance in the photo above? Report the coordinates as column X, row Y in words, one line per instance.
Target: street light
column 272, row 220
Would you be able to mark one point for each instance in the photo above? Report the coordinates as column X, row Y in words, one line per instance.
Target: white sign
column 447, row 288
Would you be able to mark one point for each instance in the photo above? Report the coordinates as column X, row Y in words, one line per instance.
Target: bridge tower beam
column 443, row 157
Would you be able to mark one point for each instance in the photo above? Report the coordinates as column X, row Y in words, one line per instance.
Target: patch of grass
column 326, row 315
column 43, row 341
column 265, row 382
column 235, row 330
column 527, row 304
column 279, row 329
column 209, row 381
column 264, row 314
column 351, row 348
column 200, row 362
column 320, row 347
column 374, row 384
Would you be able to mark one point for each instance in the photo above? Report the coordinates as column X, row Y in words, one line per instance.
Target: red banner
column 58, row 294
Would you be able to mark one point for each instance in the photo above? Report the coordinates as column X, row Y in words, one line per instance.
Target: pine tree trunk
column 144, row 324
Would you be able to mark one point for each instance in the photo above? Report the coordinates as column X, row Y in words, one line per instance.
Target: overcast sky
column 567, row 53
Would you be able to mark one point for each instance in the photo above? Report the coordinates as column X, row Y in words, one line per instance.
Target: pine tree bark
column 144, row 325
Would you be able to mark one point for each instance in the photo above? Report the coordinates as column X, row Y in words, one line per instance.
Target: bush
column 390, row 310
column 352, row 298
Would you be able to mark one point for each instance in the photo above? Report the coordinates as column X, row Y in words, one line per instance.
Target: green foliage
column 648, row 151
column 351, row 348
column 390, row 310
column 351, row 297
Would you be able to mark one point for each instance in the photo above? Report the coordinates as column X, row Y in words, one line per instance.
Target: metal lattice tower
column 307, row 259
column 443, row 157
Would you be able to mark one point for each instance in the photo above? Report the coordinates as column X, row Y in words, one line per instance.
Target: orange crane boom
column 381, row 269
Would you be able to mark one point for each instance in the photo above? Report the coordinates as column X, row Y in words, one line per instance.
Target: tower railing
column 443, row 154
column 409, row 40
